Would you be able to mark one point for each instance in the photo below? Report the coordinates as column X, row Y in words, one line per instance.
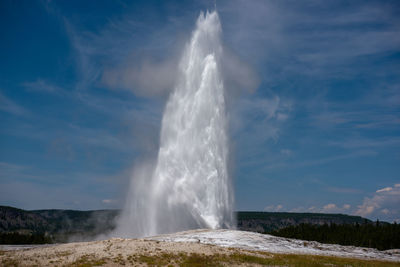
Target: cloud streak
column 9, row 106
column 41, row 85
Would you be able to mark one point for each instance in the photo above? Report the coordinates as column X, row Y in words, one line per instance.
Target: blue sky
column 314, row 121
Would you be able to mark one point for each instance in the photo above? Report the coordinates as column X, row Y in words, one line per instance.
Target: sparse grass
column 119, row 260
column 313, row 260
column 264, row 259
column 63, row 253
column 9, row 262
column 195, row 259
column 236, row 258
column 159, row 260
column 88, row 261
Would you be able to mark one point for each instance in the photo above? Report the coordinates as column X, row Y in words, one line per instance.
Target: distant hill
column 43, row 226
column 57, row 225
column 266, row 222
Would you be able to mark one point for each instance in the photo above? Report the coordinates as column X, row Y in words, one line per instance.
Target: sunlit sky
column 314, row 124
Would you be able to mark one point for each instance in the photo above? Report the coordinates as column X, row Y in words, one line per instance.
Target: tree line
column 381, row 236
column 16, row 238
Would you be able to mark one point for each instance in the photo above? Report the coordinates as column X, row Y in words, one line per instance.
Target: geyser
column 188, row 187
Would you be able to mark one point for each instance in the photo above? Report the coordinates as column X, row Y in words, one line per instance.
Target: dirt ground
column 112, row 252
column 141, row 252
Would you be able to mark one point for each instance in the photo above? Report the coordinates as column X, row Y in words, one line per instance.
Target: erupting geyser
column 189, row 187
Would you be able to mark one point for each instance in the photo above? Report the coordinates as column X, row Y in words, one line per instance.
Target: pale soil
column 114, row 252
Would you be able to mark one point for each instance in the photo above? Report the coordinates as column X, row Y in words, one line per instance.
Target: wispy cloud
column 259, row 115
column 365, row 118
column 286, row 152
column 318, row 161
column 8, row 105
column 366, row 142
column 254, row 122
column 31, row 195
column 41, row 85
column 31, row 187
column 325, row 96
column 10, row 169
column 343, row 190
column 86, row 58
column 318, row 40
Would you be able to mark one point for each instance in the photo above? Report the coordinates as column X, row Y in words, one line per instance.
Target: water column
column 189, row 186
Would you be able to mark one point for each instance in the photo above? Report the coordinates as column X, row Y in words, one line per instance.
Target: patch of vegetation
column 217, row 259
column 63, row 253
column 9, row 262
column 119, row 259
column 88, row 261
column 246, row 258
column 313, row 260
column 374, row 235
column 263, row 259
column 164, row 259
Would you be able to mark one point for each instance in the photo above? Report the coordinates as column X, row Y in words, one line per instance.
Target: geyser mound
column 189, row 187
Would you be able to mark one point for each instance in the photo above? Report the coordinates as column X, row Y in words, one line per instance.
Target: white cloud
column 273, row 208
column 386, row 189
column 384, row 204
column 329, row 207
column 385, row 211
column 302, row 209
column 108, row 201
